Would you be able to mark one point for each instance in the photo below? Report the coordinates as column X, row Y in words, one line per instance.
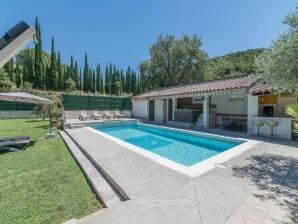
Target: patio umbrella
column 23, row 97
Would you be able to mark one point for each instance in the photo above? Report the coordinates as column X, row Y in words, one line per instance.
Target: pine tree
column 86, row 75
column 52, row 76
column 38, row 64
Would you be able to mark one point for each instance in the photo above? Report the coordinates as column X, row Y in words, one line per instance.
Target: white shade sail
column 23, row 97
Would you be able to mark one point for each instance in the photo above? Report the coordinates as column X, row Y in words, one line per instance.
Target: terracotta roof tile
column 208, row 86
column 260, row 87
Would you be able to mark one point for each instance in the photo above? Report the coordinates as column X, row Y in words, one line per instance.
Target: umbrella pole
column 50, row 118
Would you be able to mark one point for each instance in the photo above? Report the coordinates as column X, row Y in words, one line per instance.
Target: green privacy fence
column 73, row 102
column 12, row 106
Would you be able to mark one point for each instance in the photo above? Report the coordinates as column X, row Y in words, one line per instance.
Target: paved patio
column 259, row 186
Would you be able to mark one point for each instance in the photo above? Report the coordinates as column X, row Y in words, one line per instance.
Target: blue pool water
column 182, row 148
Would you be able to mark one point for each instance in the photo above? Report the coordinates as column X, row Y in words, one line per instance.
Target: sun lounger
column 14, row 138
column 14, row 144
column 118, row 115
column 83, row 115
column 108, row 115
column 96, row 115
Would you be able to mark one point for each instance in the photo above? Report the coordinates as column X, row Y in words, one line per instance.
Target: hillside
column 233, row 64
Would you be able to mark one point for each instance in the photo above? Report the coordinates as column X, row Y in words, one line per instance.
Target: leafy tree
column 292, row 110
column 279, row 64
column 70, row 84
column 5, row 82
column 175, row 61
column 10, row 70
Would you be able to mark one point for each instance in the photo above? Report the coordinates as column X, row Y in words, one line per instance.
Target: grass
column 41, row 184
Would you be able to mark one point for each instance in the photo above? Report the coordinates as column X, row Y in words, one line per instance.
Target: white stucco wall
column 283, row 130
column 140, row 109
column 252, row 111
column 158, row 111
column 223, row 106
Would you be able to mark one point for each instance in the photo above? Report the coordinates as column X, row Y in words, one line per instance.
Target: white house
column 232, row 103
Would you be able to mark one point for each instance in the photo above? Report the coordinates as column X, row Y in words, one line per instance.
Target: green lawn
column 42, row 184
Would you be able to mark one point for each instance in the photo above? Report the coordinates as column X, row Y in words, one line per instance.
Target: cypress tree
column 76, row 76
column 122, row 81
column 128, row 80
column 90, row 81
column 71, row 69
column 18, row 75
column 60, row 84
column 139, row 85
column 93, row 82
column 38, row 64
column 9, row 69
column 101, row 85
column 80, row 80
column 107, row 81
column 98, row 79
column 113, row 79
column 26, row 67
column 86, row 75
column 134, row 83
column 110, row 79
column 52, row 84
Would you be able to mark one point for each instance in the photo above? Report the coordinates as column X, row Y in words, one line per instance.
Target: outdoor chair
column 118, row 114
column 83, row 115
column 108, row 115
column 96, row 115
column 14, row 144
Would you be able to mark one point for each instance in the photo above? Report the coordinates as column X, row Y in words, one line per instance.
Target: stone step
column 101, row 187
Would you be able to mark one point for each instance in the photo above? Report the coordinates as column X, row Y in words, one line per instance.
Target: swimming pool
column 189, row 152
column 181, row 148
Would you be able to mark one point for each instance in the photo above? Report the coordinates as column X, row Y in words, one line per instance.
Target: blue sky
column 121, row 31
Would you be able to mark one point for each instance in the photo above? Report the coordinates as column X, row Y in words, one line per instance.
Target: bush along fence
column 73, row 102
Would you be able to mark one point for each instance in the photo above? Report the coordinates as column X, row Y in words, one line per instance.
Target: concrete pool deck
column 258, row 186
